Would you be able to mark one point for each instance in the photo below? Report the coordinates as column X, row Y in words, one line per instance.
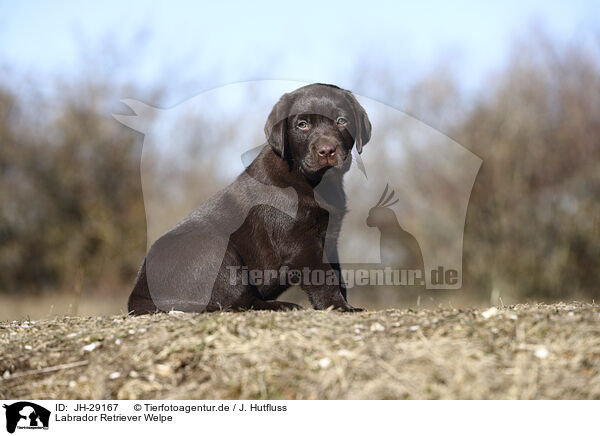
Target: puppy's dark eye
column 303, row 125
column 341, row 121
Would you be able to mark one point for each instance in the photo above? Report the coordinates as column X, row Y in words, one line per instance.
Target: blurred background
column 518, row 84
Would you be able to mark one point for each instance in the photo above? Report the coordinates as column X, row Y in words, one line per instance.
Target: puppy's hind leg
column 140, row 301
column 232, row 291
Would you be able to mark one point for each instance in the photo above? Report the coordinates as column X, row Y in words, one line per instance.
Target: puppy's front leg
column 323, row 296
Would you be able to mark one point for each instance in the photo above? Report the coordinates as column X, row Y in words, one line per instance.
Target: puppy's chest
column 310, row 221
column 307, row 227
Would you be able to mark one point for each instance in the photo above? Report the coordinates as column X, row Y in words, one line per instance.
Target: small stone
column 114, row 375
column 134, row 374
column 117, row 342
column 344, row 353
column 376, row 327
column 541, row 353
column 163, row 370
column 324, row 362
column 72, row 384
column 413, row 328
column 491, row 312
column 6, row 374
column 71, row 335
column 90, row 347
column 28, row 347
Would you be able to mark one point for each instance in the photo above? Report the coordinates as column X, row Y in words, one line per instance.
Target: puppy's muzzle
column 326, row 151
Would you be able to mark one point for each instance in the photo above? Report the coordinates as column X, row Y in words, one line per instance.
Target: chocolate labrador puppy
column 274, row 227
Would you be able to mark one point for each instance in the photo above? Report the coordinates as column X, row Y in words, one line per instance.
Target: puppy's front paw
column 348, row 308
column 357, row 309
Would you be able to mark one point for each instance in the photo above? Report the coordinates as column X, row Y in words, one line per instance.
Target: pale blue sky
column 309, row 40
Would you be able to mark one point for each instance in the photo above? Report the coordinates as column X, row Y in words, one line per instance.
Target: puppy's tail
column 140, row 301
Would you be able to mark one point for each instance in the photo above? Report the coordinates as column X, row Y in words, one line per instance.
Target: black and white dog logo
column 26, row 415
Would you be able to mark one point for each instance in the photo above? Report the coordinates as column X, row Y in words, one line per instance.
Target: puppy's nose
column 326, row 149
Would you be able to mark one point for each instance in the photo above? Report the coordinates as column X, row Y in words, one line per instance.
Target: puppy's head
column 315, row 128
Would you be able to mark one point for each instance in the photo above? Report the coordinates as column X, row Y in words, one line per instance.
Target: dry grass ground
column 523, row 351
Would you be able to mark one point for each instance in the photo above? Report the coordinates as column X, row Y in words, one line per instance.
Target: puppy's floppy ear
column 361, row 121
column 276, row 126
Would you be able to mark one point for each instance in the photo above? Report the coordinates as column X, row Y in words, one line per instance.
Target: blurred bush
column 71, row 204
column 533, row 227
